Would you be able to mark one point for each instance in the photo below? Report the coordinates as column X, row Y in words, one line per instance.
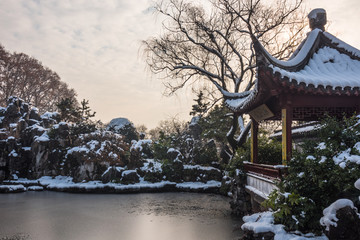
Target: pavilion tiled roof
column 322, row 65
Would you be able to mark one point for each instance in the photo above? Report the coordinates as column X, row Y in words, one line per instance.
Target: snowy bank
column 263, row 223
column 66, row 184
column 12, row 188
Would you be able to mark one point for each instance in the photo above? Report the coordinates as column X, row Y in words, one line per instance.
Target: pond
column 151, row 216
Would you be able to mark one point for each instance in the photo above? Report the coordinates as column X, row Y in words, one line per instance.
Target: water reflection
column 160, row 216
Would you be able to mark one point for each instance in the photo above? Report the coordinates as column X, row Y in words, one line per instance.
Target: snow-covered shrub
column 173, row 166
column 173, row 171
column 153, row 176
column 161, row 146
column 323, row 172
column 194, row 151
column 93, row 153
column 294, row 211
column 143, row 147
column 151, row 171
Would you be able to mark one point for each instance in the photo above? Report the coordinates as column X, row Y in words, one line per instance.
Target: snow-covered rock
column 201, row 173
column 357, row 184
column 118, row 123
column 12, row 188
column 329, row 218
column 124, row 127
column 130, row 177
column 174, row 155
column 341, row 220
column 26, row 139
column 35, row 188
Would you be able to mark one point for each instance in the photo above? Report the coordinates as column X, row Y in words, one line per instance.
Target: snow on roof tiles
column 235, row 104
column 301, row 53
column 327, row 67
column 343, row 45
column 335, row 64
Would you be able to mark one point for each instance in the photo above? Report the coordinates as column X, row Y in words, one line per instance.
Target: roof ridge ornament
column 317, row 19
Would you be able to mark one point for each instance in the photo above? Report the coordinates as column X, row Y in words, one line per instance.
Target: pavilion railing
column 270, row 171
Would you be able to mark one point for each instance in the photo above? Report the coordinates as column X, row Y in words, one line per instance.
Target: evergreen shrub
column 325, row 170
column 173, row 170
column 161, row 146
column 205, row 155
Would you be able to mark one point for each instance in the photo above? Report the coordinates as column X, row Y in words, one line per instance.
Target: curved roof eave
column 315, row 40
column 297, row 61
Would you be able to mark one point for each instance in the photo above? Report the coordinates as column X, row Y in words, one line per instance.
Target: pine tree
column 201, row 107
column 85, row 111
column 68, row 108
column 80, row 116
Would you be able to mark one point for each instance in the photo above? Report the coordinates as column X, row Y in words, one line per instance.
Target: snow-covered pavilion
column 322, row 77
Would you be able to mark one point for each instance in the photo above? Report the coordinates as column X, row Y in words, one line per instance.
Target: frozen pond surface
column 157, row 216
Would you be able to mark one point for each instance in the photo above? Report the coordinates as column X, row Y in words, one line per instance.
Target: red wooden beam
column 265, row 170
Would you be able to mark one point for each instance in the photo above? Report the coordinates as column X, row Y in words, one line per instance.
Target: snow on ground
column 264, row 222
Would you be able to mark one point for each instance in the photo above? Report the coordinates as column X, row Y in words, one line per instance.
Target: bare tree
column 213, row 47
column 26, row 77
column 171, row 126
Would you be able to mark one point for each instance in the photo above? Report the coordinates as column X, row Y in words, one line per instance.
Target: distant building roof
column 310, row 129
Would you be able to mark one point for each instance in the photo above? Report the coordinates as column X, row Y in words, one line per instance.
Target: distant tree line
column 24, row 76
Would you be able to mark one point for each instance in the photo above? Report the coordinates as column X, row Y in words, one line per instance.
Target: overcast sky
column 94, row 46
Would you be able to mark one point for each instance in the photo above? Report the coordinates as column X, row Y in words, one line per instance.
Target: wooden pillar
column 286, row 117
column 254, row 141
